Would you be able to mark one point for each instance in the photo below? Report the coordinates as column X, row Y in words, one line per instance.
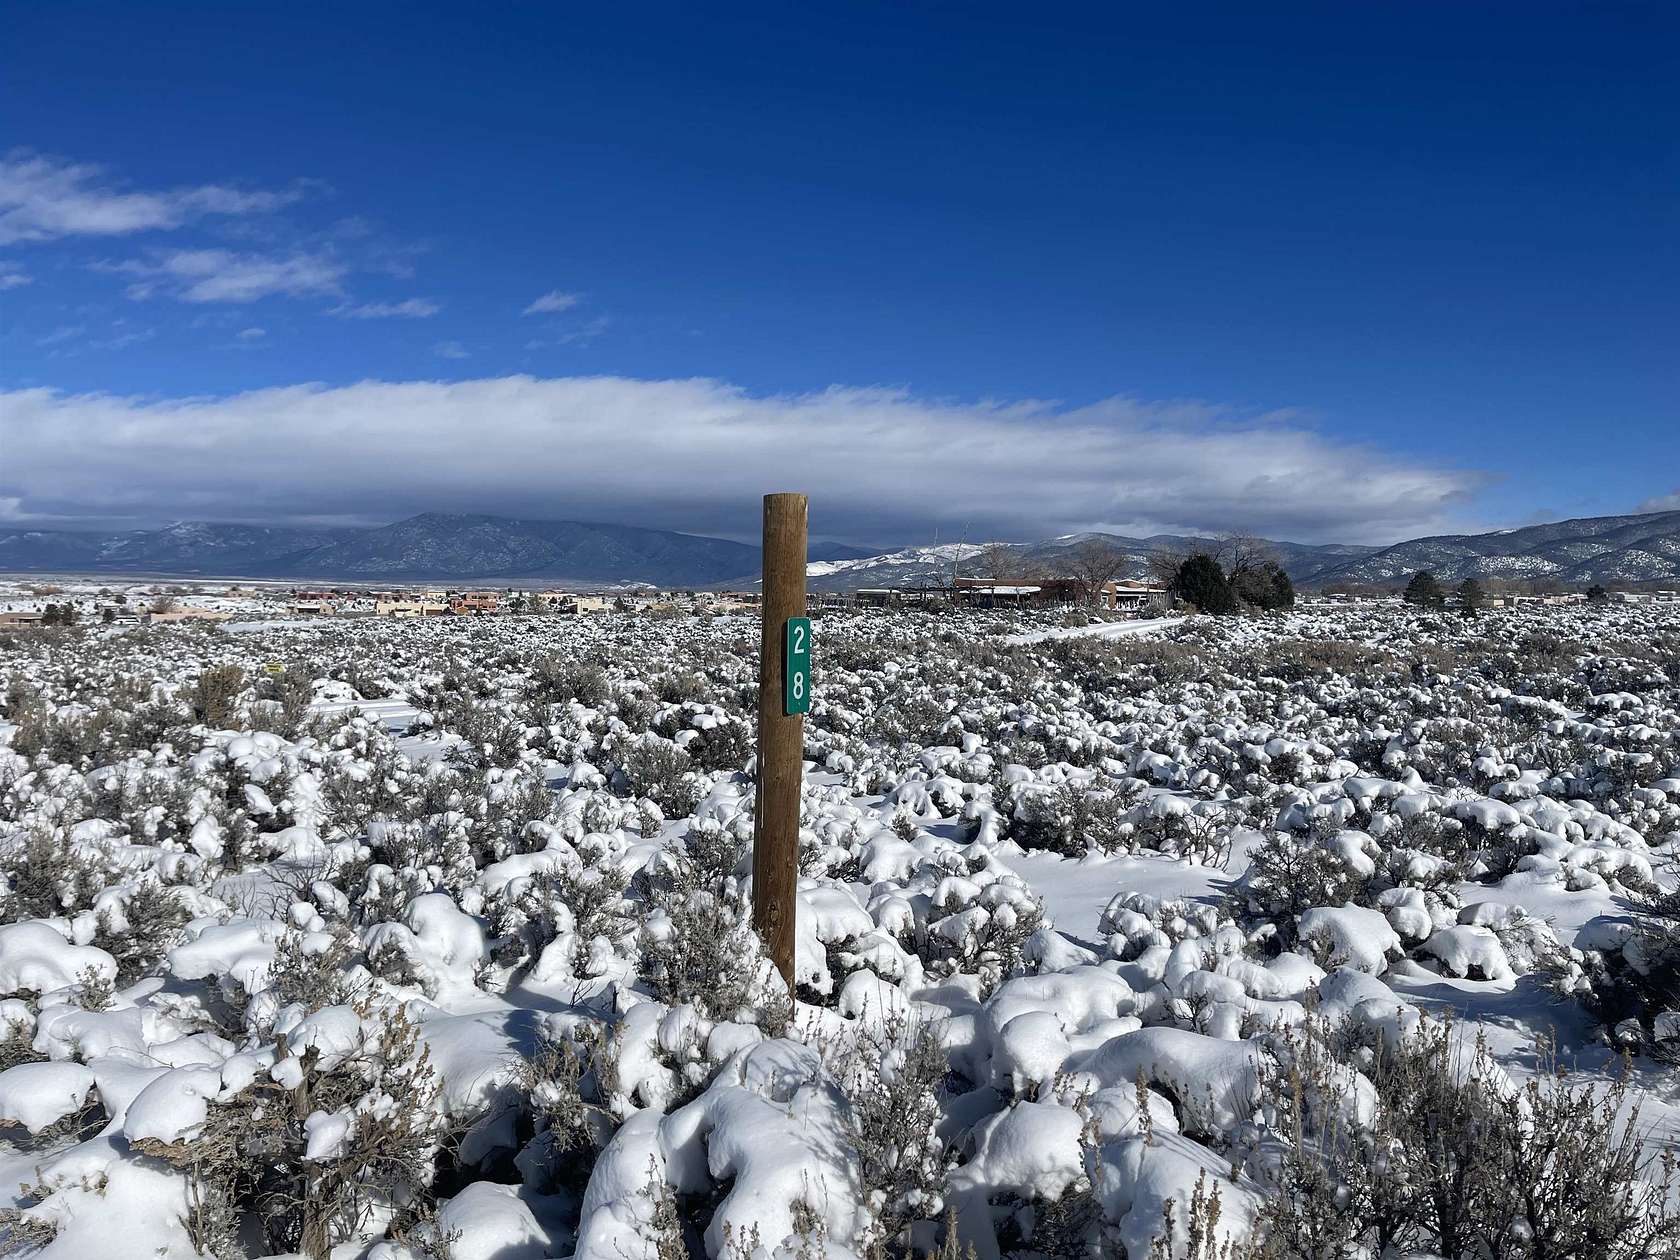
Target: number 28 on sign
column 796, row 666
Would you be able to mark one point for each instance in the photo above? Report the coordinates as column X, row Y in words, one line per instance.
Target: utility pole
column 784, row 696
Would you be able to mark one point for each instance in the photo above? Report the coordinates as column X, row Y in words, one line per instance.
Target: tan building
column 191, row 614
column 410, row 608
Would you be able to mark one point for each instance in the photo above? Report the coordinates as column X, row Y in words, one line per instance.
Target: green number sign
column 796, row 666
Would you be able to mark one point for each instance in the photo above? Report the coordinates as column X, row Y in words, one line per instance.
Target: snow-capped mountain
column 440, row 546
column 933, row 566
column 1640, row 548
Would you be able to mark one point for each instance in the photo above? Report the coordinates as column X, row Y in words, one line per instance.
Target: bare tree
column 1001, row 563
column 1093, row 563
column 1241, row 554
column 1165, row 562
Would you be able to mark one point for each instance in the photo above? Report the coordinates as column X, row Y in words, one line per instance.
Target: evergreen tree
column 1596, row 594
column 1264, row 585
column 1471, row 596
column 1423, row 591
column 1283, row 590
column 1202, row 583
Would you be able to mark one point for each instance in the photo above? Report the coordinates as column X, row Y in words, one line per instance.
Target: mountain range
column 440, row 547
column 434, row 546
column 929, row 566
column 1639, row 548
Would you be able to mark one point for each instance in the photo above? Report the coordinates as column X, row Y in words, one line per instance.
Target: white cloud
column 220, row 275
column 70, row 340
column 451, row 350
column 251, row 334
column 553, row 302
column 581, row 335
column 123, row 337
column 12, row 276
column 411, row 308
column 1662, row 503
column 44, row 197
column 61, row 334
column 880, row 465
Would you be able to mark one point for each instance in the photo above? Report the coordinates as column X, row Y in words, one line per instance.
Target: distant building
column 570, row 602
column 414, row 607
column 191, row 614
column 22, row 617
column 905, row 596
column 1131, row 595
column 730, row 602
column 475, row 603
column 743, row 599
column 1126, row 595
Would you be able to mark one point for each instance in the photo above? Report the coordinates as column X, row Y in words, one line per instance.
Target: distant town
column 34, row 602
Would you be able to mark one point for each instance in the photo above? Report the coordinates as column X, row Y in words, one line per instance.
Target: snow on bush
column 1104, row 946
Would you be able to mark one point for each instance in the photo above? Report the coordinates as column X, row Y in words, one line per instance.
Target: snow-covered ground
column 390, row 940
column 1096, row 630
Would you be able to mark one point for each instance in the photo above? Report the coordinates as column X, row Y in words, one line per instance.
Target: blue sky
column 1340, row 272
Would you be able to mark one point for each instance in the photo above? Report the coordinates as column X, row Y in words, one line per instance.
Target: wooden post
column 781, row 735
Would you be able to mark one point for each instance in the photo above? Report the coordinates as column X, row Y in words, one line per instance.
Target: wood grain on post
column 781, row 736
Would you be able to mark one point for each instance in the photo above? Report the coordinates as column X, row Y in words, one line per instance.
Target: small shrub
column 892, row 1074
column 1073, row 819
column 699, row 945
column 659, row 770
column 1454, row 1162
column 214, row 696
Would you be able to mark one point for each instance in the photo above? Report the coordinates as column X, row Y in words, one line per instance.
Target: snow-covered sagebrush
column 1342, row 933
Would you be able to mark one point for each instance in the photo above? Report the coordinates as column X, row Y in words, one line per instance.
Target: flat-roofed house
column 474, row 603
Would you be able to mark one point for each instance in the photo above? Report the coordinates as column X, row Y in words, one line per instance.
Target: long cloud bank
column 881, row 465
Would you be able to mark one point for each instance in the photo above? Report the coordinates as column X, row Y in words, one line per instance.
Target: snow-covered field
column 1318, row 935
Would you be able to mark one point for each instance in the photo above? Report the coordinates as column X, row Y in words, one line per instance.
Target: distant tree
column 1164, row 563
column 1263, row 585
column 1202, row 583
column 1423, row 591
column 1471, row 596
column 1596, row 594
column 163, row 604
column 1244, row 555
column 1001, row 563
column 107, row 615
column 1093, row 563
column 1283, row 589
